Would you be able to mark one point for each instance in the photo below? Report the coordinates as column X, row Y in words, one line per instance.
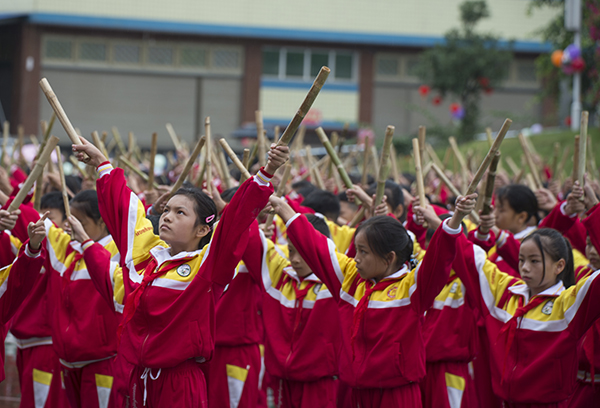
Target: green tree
column 467, row 64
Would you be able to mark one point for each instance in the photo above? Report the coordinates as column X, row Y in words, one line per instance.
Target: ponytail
column 552, row 242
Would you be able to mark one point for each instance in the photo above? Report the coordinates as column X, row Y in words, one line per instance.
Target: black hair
column 520, row 198
column 53, row 200
column 431, row 231
column 324, row 202
column 396, row 197
column 73, row 183
column 205, row 209
column 86, row 201
column 386, row 234
column 227, row 195
column 344, row 197
column 319, row 224
column 304, row 187
column 553, row 243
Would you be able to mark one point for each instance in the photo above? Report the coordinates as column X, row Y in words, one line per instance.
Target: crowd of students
column 189, row 299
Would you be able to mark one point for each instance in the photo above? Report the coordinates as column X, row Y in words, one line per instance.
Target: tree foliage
column 467, row 64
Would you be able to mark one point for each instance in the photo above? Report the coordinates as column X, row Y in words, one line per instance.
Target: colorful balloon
column 572, row 51
column 556, row 58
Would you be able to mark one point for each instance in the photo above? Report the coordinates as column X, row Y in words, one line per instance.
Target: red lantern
column 454, row 107
column 424, row 90
column 436, row 100
column 578, row 64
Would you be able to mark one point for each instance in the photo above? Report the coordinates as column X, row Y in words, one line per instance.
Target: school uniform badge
column 547, row 309
column 184, row 270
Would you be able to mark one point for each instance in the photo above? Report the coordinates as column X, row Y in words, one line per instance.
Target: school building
column 137, row 65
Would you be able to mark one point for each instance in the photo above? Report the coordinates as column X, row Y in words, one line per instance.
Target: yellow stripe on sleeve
column 236, row 372
column 455, row 381
column 42, row 377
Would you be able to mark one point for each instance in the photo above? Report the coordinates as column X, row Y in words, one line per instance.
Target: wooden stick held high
column 153, row 148
column 419, row 174
column 35, row 173
column 289, row 131
column 188, row 166
column 63, row 184
column 60, row 112
column 384, row 165
column 241, row 167
column 582, row 147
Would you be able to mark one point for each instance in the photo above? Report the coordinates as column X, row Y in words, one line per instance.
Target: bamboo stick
column 240, row 165
column 336, row 160
column 374, row 160
column 245, row 161
column 174, row 137
column 488, row 133
column 21, row 141
column 513, row 166
column 34, row 140
column 83, row 171
column 118, row 140
column 446, row 158
column 318, row 180
column 280, row 190
column 153, row 148
column 433, row 156
column 46, row 129
column 591, row 160
column 260, row 138
column 419, row 173
column 440, row 173
column 384, row 165
column 289, row 131
column 276, row 133
column 253, row 153
column 582, row 147
column 217, row 165
column 131, row 166
column 60, row 112
column 529, row 159
column 104, row 136
column 461, row 160
column 99, row 144
column 365, row 171
column 224, row 170
column 488, row 158
column 131, row 147
column 35, row 173
column 576, row 160
column 208, row 150
column 63, row 183
column 188, row 166
column 489, row 186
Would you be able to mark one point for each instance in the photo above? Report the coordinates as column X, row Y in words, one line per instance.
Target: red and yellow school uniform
column 383, row 354
column 85, row 342
column 303, row 337
column 533, row 342
column 16, row 282
column 232, row 376
column 37, row 362
column 169, row 316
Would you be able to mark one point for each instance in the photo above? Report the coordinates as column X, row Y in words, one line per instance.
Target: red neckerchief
column 300, row 295
column 363, row 305
column 133, row 300
column 509, row 329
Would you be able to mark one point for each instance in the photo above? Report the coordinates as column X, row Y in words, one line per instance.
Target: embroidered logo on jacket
column 317, row 288
column 391, row 293
column 547, row 309
column 454, row 287
column 184, row 270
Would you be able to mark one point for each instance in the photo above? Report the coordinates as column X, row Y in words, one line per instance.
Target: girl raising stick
column 173, row 280
column 381, row 300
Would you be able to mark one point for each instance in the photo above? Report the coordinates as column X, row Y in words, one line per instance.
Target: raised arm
column 316, row 249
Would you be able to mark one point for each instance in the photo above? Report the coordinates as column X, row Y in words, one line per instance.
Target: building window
column 224, row 58
column 294, row 64
column 160, row 55
column 59, row 49
column 127, row 53
column 193, row 57
column 305, row 64
column 92, row 51
column 388, row 66
column 412, row 66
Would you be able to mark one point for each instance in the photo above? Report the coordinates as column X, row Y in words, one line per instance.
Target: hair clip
column 210, row 218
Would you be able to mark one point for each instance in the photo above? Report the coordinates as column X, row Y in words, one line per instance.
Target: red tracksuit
column 85, row 342
column 533, row 343
column 37, row 360
column 301, row 321
column 232, row 376
column 16, row 282
column 383, row 353
column 169, row 319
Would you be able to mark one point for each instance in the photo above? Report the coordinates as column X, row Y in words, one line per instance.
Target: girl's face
column 591, row 253
column 507, row 218
column 368, row 264
column 531, row 268
column 297, row 262
column 96, row 230
column 177, row 223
